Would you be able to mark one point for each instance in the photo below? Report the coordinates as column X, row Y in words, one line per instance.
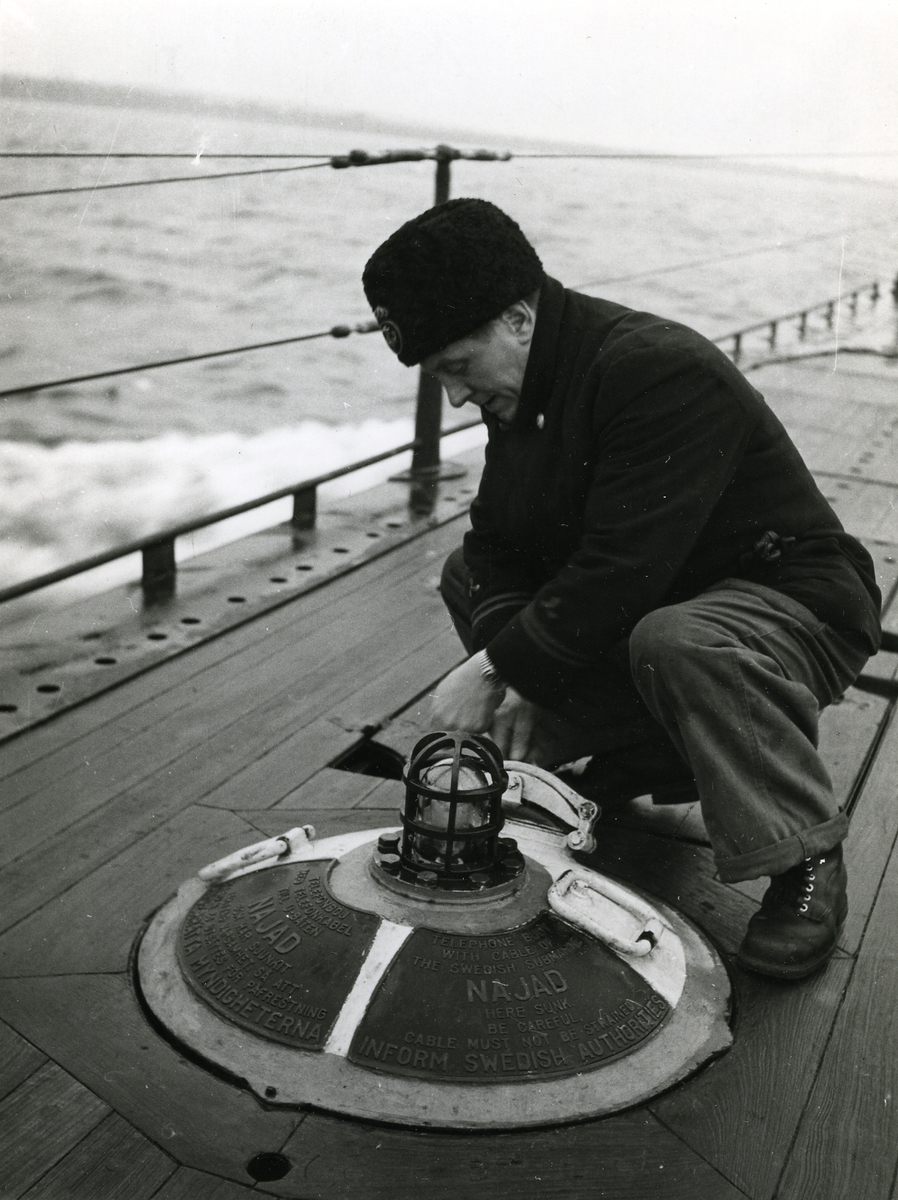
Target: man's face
column 487, row 367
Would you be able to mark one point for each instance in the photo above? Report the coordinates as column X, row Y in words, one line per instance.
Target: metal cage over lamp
column 452, row 818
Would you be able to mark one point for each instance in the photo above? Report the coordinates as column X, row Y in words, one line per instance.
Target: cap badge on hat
column 390, row 330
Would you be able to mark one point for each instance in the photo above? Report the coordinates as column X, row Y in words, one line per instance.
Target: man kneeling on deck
column 652, row 576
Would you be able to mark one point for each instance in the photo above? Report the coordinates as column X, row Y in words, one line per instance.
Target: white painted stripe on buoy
column 388, row 941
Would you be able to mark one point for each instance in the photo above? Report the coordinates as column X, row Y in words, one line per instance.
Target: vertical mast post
column 426, row 467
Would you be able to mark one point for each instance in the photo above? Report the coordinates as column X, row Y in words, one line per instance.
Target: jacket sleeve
column 662, row 460
column 503, row 580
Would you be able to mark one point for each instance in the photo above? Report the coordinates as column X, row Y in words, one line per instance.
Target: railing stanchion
column 159, row 574
column 305, row 507
column 426, row 467
column 429, row 405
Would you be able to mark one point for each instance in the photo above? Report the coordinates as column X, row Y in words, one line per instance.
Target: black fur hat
column 447, row 272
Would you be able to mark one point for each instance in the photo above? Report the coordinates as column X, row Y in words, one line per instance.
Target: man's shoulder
column 616, row 333
column 627, row 329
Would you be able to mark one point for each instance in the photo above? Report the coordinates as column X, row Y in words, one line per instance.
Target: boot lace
column 810, row 877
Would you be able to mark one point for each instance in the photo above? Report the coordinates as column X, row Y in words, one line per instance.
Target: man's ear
column 520, row 318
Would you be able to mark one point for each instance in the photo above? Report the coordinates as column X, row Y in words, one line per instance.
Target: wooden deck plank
column 114, row 1162
column 327, row 821
column 327, row 789
column 885, row 561
column 259, row 704
column 196, row 758
column 55, row 741
column 847, row 1143
column 868, row 510
column 274, row 775
column 189, row 1184
column 627, row 1157
column 311, row 635
column 383, row 697
column 198, row 1118
column 760, row 1087
column 389, row 796
column 18, row 1059
column 46, row 752
column 59, row 863
column 874, row 828
column 40, row 1122
column 286, row 766
column 839, row 419
column 91, row 927
column 848, row 733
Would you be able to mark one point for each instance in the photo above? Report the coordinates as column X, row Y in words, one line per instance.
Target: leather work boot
column 801, row 916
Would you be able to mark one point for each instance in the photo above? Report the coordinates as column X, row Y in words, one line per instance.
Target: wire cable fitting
column 355, row 158
column 129, row 183
column 336, row 331
column 441, row 153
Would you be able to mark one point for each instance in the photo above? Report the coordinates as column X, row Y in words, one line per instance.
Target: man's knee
column 660, row 637
column 671, row 651
column 455, row 582
column 455, row 588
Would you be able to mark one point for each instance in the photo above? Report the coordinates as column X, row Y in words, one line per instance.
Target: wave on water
column 67, row 502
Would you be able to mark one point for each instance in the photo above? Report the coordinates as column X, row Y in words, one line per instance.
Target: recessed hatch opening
column 368, row 757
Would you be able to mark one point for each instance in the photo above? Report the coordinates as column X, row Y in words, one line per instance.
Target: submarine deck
column 109, row 805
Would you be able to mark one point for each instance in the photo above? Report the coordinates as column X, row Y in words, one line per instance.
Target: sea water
column 105, row 279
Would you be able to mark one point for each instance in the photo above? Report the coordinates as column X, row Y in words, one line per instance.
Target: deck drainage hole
column 305, row 567
column 49, row 687
column 340, row 550
column 265, row 1168
column 9, row 708
column 157, row 637
column 91, row 637
column 394, row 524
column 190, row 621
column 371, row 534
column 271, row 1092
column 236, row 599
column 105, row 661
column 277, row 579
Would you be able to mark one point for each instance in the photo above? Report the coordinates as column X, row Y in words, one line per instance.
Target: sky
column 693, row 76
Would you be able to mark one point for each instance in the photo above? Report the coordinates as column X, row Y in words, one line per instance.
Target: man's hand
column 465, row 700
column 514, row 728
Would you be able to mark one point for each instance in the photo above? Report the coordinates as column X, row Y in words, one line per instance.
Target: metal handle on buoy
column 271, row 849
column 546, row 791
column 611, row 914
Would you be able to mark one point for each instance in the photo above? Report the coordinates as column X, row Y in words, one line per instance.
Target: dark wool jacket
column 641, row 467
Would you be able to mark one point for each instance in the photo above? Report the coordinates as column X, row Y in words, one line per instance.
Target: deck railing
column 158, row 549
column 159, row 568
column 828, row 309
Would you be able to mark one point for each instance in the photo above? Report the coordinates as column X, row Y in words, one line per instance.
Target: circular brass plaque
column 275, row 953
column 539, row 1002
